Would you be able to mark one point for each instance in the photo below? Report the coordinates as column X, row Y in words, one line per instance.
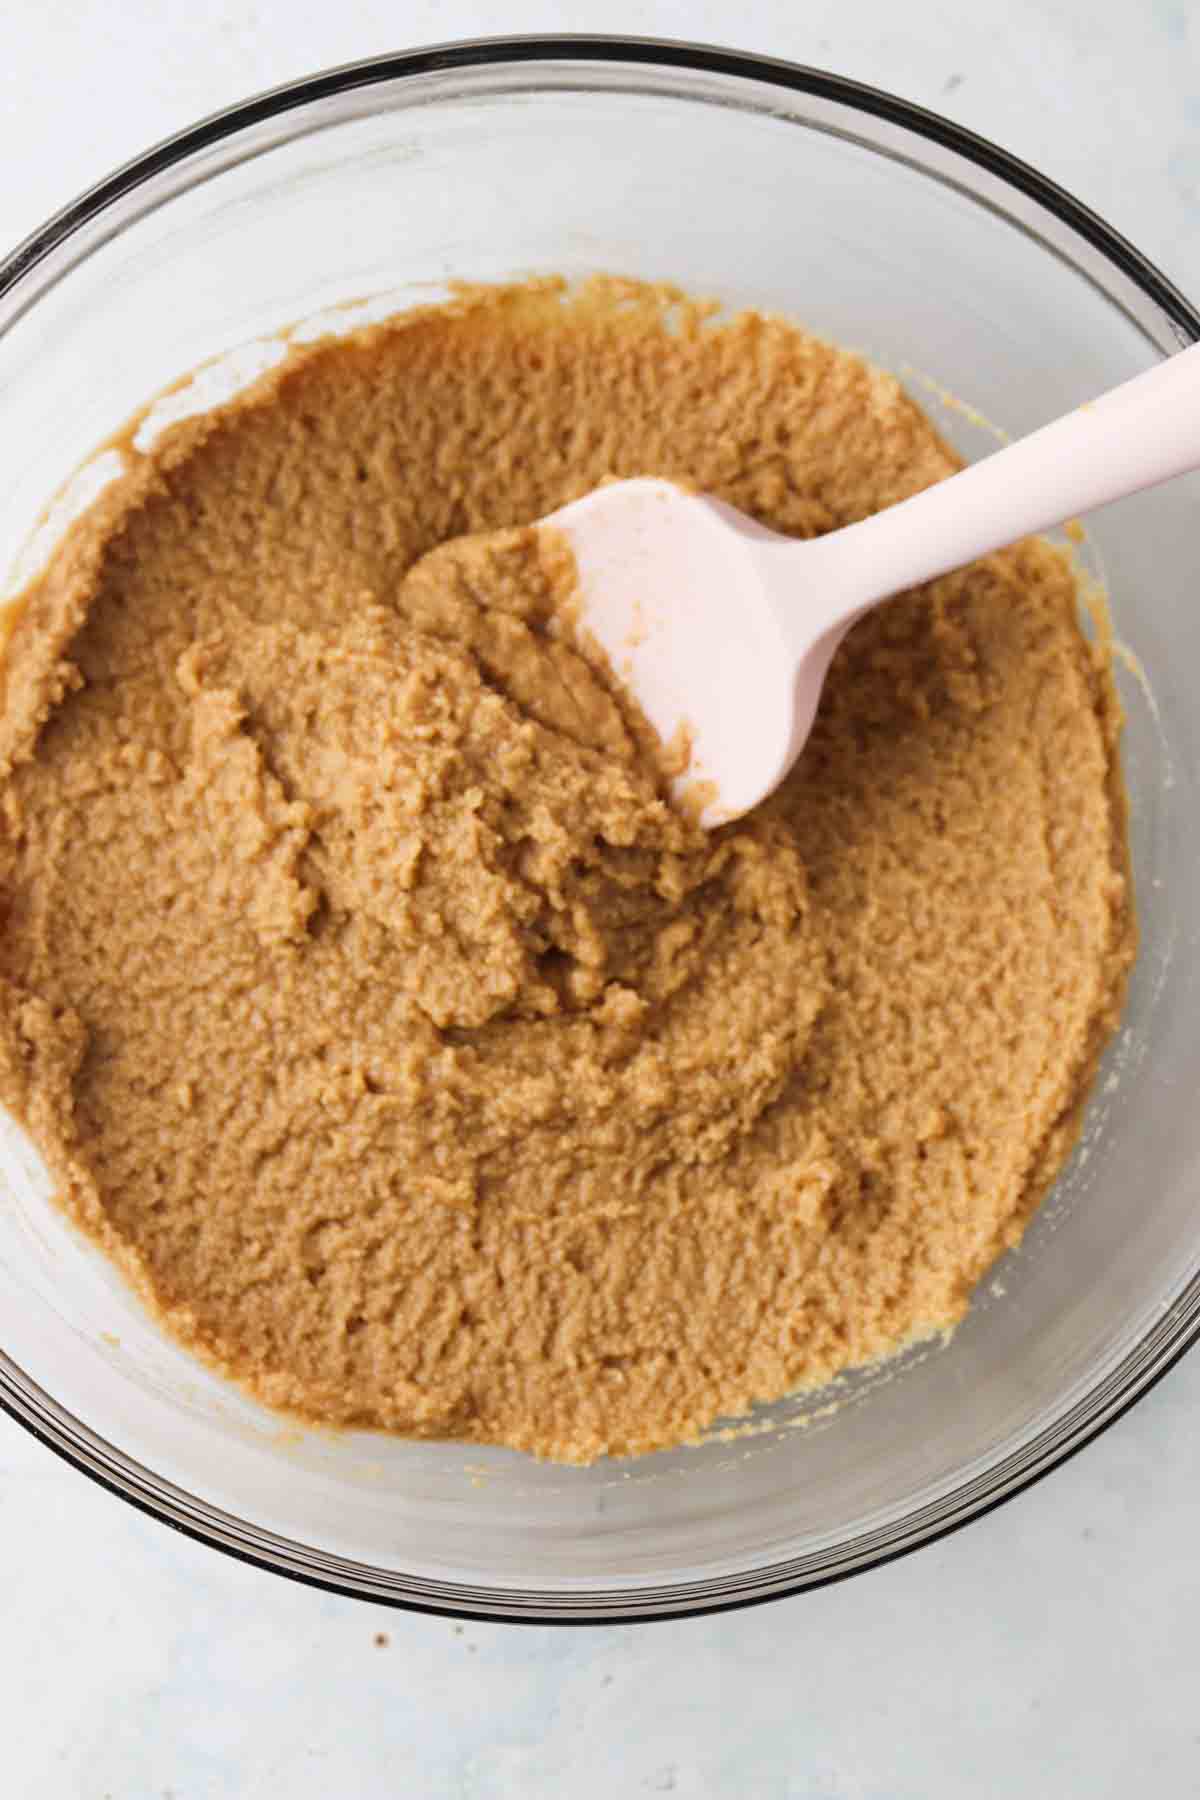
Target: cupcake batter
column 372, row 1007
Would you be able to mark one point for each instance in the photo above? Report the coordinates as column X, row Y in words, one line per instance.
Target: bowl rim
column 25, row 273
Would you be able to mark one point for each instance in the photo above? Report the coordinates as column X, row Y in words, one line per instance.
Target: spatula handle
column 1135, row 435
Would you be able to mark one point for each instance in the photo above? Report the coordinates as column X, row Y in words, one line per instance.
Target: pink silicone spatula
column 725, row 630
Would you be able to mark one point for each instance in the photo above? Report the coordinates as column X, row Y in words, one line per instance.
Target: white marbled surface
column 1051, row 1649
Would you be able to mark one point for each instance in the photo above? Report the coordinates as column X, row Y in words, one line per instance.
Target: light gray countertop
column 1050, row 1649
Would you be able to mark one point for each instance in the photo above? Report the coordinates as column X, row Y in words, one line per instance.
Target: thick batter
column 424, row 1068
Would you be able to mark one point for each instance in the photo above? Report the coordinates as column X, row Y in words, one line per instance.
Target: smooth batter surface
column 372, row 1007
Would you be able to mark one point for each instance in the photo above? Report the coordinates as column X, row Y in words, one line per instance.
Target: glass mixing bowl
column 895, row 233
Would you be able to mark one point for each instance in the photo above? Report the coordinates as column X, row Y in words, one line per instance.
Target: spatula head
column 671, row 586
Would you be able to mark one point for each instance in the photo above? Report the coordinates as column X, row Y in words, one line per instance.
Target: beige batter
column 372, row 1007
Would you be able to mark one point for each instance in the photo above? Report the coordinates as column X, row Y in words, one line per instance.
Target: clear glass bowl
column 893, row 232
